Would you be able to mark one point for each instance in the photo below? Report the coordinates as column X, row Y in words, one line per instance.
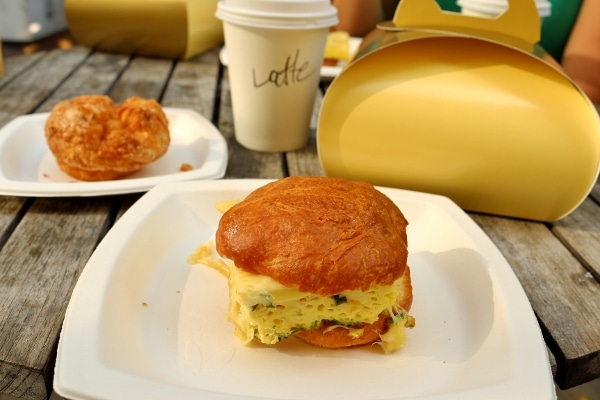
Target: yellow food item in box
column 338, row 46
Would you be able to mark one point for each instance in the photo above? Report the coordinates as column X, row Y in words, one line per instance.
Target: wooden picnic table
column 45, row 242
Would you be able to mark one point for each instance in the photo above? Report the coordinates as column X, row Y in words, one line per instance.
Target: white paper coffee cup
column 275, row 50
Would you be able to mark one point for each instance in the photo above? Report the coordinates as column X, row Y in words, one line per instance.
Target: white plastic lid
column 504, row 3
column 496, row 7
column 278, row 14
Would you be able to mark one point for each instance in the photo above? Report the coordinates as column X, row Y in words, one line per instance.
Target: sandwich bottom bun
column 331, row 336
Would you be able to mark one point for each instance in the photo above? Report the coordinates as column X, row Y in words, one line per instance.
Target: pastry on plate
column 93, row 139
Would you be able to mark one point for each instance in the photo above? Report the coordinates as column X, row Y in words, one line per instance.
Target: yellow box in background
column 161, row 28
column 466, row 107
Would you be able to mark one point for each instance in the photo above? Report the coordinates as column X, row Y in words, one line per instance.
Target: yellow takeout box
column 465, row 107
column 161, row 28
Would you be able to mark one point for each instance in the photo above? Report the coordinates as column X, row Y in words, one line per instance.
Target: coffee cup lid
column 278, row 14
column 495, row 7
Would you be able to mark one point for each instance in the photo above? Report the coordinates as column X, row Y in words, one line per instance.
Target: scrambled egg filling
column 263, row 309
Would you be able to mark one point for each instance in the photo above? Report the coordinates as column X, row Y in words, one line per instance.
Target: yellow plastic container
column 161, row 28
column 465, row 107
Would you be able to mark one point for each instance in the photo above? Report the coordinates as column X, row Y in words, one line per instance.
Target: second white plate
column 28, row 168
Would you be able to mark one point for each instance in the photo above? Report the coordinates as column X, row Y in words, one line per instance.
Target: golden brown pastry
column 321, row 258
column 93, row 139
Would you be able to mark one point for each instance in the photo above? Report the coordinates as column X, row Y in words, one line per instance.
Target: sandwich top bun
column 320, row 235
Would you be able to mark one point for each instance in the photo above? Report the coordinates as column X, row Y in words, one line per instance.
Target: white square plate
column 28, row 168
column 144, row 324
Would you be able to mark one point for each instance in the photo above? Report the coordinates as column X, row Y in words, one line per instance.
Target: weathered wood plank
column 145, row 77
column 306, row 161
column 17, row 65
column 565, row 301
column 193, row 84
column 24, row 93
column 580, row 232
column 244, row 163
column 39, row 266
column 96, row 75
column 13, row 380
column 11, row 208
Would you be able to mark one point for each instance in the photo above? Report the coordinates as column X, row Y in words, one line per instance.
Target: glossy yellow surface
column 519, row 26
column 491, row 126
column 163, row 28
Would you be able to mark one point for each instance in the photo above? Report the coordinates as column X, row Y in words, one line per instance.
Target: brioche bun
column 322, row 235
